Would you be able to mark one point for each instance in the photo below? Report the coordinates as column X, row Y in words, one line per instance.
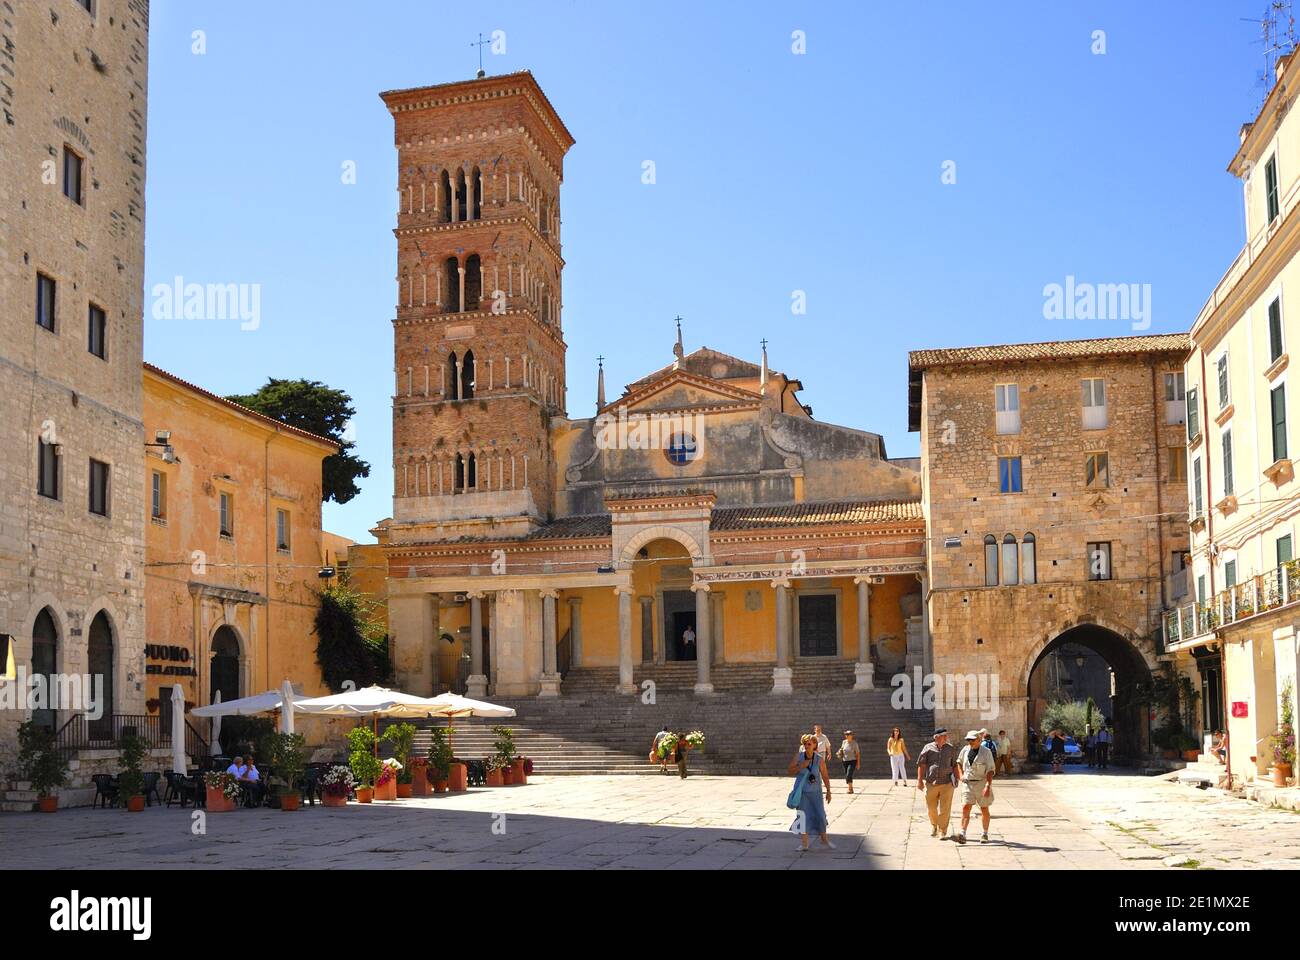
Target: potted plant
column 363, row 762
column 695, row 739
column 1283, row 741
column 336, row 785
column 440, row 759
column 222, row 791
column 420, row 786
column 289, row 758
column 42, row 764
column 512, row 770
column 495, row 764
column 130, row 782
column 667, row 746
column 386, row 782
column 402, row 737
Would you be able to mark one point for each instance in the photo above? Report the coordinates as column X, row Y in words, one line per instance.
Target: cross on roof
column 480, row 43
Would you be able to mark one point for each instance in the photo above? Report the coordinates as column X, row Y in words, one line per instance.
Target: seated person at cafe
column 237, row 768
column 253, row 784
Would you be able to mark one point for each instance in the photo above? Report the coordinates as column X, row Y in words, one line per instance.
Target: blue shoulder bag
column 796, row 792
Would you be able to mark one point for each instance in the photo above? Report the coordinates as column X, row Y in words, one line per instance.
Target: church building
column 701, row 528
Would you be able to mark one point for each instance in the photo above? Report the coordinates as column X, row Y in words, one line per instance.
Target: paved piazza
column 1073, row 821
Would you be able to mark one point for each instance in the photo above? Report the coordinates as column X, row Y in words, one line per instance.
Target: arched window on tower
column 471, row 473
column 444, row 188
column 990, row 561
column 453, row 371
column 467, row 376
column 451, row 275
column 1028, row 559
column 458, row 484
column 473, row 282
column 544, row 218
column 462, row 205
column 477, row 184
column 1010, row 563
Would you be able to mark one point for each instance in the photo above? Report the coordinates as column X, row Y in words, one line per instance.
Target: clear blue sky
column 775, row 173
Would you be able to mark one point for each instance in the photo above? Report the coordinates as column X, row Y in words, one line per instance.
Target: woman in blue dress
column 811, row 816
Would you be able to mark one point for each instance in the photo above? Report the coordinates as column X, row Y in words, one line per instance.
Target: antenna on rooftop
column 1278, row 39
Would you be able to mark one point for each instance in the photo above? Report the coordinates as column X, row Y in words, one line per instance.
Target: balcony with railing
column 82, row 733
column 1279, row 587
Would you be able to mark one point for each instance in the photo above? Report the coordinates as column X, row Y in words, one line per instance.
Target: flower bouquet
column 336, row 785
column 696, row 739
column 667, row 746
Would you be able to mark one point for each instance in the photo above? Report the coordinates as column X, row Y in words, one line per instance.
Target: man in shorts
column 976, row 765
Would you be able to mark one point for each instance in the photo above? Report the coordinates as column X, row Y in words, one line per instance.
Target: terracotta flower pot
column 517, row 773
column 458, row 779
column 404, row 791
column 365, row 794
column 289, row 801
column 217, row 802
column 420, row 782
column 1191, row 755
column 495, row 779
column 47, row 804
column 508, row 776
column 1281, row 774
column 135, row 804
column 386, row 792
column 334, row 800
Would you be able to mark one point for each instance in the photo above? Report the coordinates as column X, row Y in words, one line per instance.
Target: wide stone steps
column 812, row 675
column 748, row 733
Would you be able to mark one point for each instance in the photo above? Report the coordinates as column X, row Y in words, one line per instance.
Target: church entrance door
column 679, row 616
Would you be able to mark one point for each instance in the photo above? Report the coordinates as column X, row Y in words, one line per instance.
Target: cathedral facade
column 702, row 523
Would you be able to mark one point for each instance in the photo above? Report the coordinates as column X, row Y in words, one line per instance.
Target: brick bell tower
column 478, row 344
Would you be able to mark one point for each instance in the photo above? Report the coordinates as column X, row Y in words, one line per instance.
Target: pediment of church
column 679, row 390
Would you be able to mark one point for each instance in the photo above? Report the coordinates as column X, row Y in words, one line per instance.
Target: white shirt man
column 823, row 742
column 237, row 768
column 688, row 638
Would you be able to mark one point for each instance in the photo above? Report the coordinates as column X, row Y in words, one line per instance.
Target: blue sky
column 775, row 173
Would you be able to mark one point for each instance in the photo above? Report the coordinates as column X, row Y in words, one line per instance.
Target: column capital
column 699, row 586
column 476, row 594
column 574, row 601
column 864, row 578
column 624, row 590
column 549, row 593
column 780, row 582
column 645, row 601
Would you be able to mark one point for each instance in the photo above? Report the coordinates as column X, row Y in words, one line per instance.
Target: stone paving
column 1077, row 820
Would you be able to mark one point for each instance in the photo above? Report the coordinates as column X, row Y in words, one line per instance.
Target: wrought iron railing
column 1277, row 588
column 82, row 733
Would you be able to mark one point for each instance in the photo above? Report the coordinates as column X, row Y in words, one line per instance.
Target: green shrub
column 39, row 760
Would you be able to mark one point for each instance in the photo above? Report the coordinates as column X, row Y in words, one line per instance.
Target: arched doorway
column 662, row 569
column 224, row 671
column 1090, row 660
column 45, row 660
column 99, row 649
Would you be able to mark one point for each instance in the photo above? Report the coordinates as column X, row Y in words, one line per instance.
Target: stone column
column 550, row 670
column 782, row 674
column 715, row 607
column 476, row 686
column 625, row 678
column 703, row 635
column 927, row 653
column 647, row 629
column 435, row 622
column 575, row 632
column 864, row 670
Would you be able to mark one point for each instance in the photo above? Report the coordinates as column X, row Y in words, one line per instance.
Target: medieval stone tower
column 478, row 343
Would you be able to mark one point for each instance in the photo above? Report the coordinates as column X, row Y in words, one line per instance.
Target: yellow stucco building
column 233, row 547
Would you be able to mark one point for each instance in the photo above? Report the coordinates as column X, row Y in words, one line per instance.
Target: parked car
column 1073, row 752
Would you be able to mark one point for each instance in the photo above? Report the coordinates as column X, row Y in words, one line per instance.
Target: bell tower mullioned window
column 479, row 354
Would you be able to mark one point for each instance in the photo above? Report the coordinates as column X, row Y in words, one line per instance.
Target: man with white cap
column 976, row 765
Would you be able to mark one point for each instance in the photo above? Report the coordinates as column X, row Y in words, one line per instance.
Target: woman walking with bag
column 809, row 771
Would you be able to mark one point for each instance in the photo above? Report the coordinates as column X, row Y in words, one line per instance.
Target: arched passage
column 1093, row 660
column 45, row 659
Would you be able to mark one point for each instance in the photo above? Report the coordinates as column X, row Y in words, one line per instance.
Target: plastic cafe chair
column 105, row 790
column 151, row 787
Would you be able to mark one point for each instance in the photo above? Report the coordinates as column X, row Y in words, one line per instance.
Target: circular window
column 682, row 449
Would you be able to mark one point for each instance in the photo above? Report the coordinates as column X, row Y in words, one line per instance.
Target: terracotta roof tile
column 1051, row 350
column 814, row 514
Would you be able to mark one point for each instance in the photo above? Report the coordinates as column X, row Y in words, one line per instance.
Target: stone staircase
column 591, row 729
column 1205, row 769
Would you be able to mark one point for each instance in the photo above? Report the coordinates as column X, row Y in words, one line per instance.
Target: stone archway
column 647, row 535
column 225, row 668
column 1131, row 668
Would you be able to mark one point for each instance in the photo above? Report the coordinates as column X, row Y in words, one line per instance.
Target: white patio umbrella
column 286, row 706
column 214, row 747
column 178, row 729
column 454, row 705
column 374, row 702
column 245, row 706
